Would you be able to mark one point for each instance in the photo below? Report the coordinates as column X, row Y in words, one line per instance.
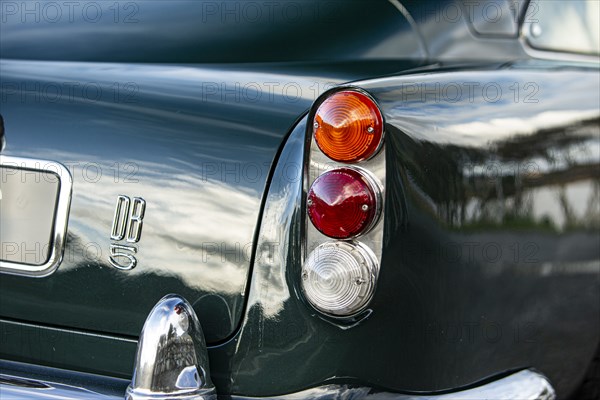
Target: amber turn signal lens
column 348, row 127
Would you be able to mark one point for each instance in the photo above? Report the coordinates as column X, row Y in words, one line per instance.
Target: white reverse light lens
column 339, row 278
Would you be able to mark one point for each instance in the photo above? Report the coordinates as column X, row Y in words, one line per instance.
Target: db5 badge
column 126, row 228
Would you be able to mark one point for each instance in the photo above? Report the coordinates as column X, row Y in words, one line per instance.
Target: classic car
column 299, row 199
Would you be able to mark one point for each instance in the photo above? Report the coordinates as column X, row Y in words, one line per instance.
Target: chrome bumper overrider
column 171, row 361
column 172, row 364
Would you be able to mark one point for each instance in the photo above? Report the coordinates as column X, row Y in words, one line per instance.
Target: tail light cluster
column 344, row 203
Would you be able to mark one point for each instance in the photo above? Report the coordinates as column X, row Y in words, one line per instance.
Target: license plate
column 35, row 196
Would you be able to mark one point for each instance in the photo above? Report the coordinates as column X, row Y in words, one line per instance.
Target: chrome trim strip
column 526, row 384
column 16, row 388
column 69, row 331
column 32, row 382
column 61, row 217
column 2, row 138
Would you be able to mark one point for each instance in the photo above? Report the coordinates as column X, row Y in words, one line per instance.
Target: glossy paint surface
column 496, row 260
column 169, row 143
column 490, row 262
column 196, row 143
column 480, row 273
column 199, row 31
column 449, row 310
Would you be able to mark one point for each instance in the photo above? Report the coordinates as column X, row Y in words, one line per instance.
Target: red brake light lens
column 348, row 127
column 343, row 203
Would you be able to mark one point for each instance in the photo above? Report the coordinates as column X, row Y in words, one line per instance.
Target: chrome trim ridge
column 20, row 381
column 526, row 384
column 16, row 388
column 2, row 139
column 171, row 361
column 61, row 217
column 19, row 325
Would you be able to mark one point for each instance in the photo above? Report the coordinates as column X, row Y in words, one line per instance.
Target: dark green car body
column 490, row 260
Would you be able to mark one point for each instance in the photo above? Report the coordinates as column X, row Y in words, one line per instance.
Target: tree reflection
column 547, row 180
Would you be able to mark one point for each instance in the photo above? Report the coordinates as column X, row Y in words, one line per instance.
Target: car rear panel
column 199, row 157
